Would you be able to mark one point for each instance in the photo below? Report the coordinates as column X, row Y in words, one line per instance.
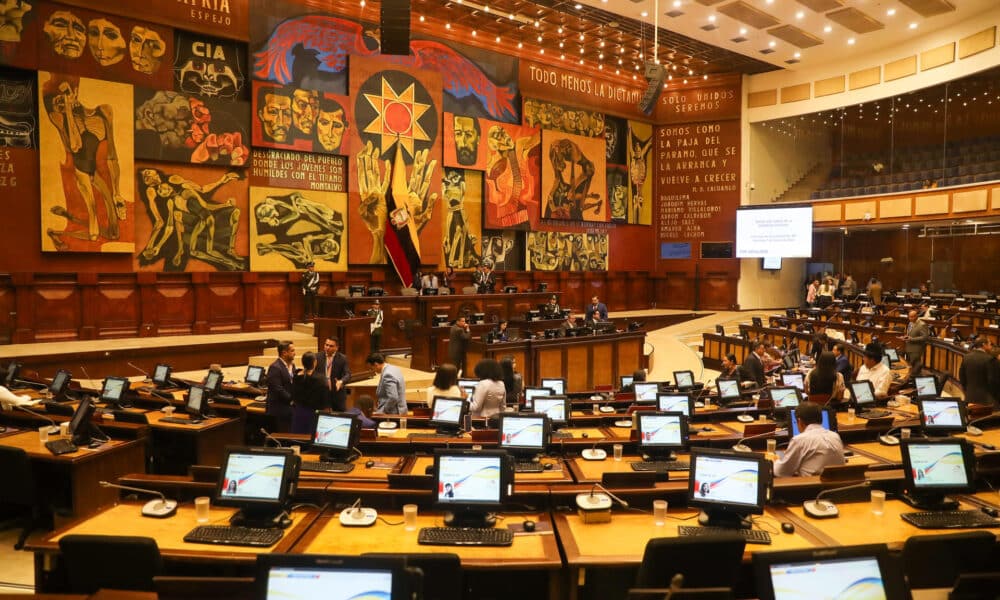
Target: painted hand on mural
column 419, row 205
column 373, row 184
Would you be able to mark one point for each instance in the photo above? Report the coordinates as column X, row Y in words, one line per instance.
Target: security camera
column 753, row 186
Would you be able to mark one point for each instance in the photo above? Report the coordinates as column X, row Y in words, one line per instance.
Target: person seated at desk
column 596, row 311
column 363, row 407
column 772, row 358
column 873, row 370
column 843, row 363
column 730, row 368
column 513, row 383
column 429, row 281
column 753, row 365
column 569, row 323
column 812, row 450
column 445, row 383
column 824, row 378
column 501, row 334
column 980, row 373
column 490, row 394
column 308, row 396
column 551, row 310
column 391, row 390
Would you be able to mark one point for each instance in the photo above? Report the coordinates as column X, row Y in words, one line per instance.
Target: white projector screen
column 774, row 232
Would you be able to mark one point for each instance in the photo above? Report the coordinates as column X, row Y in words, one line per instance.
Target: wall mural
column 184, row 128
column 210, row 67
column 513, row 176
column 195, row 219
column 505, row 249
column 560, row 117
column 558, row 251
column 573, row 177
column 640, row 167
column 464, row 146
column 312, row 51
column 462, row 191
column 18, row 119
column 291, row 228
column 19, row 34
column 85, row 143
column 295, row 118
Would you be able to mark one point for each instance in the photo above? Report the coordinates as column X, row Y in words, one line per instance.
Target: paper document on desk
column 9, row 399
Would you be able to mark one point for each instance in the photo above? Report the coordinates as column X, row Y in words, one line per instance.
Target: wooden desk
column 177, row 447
column 557, row 474
column 378, row 472
column 70, row 481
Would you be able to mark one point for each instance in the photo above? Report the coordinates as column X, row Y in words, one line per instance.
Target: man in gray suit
column 916, row 337
column 391, row 391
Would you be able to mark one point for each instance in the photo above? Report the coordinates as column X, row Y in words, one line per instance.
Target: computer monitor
column 534, row 315
column 468, row 391
column 255, row 375
column 926, row 386
column 729, row 390
column 558, row 386
column 796, row 379
column 336, row 435
column 376, row 291
column 794, row 353
column 829, row 420
column 674, row 402
column 554, row 407
column 785, row 397
column 429, row 291
column 471, row 485
column 787, row 362
column 892, row 355
column 942, row 416
column 756, row 322
column 662, row 433
column 834, row 571
column 791, row 313
column 285, row 576
column 684, row 380
column 355, row 290
column 645, row 391
column 477, row 318
column 467, row 382
column 79, row 424
column 161, row 375
column 510, row 289
column 13, row 370
column 60, row 384
column 934, row 468
column 197, row 402
column 258, row 481
column 448, row 414
column 525, row 434
column 728, row 486
column 719, row 329
column 113, row 391
column 625, row 381
column 862, row 394
column 439, row 321
column 213, row 382
column 530, row 393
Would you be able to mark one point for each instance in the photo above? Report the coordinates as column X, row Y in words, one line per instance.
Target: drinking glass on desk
column 660, row 512
column 43, row 434
column 850, row 415
column 202, row 506
column 617, row 449
column 878, row 502
column 410, row 517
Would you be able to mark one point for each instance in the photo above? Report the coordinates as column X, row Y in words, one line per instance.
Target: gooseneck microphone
column 53, row 429
column 144, row 373
column 824, row 509
column 741, row 447
column 158, row 509
column 595, row 501
column 268, row 436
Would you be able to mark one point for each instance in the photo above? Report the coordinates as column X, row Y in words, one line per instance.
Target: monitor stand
column 475, row 519
column 712, row 518
column 659, row 457
column 929, row 501
column 261, row 519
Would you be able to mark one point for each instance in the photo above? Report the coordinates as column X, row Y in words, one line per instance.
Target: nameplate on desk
column 633, row 479
column 409, row 481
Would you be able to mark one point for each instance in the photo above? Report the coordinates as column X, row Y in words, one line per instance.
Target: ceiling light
column 743, row 30
column 600, row 56
column 664, row 86
column 850, row 41
column 486, row 8
column 537, row 23
column 620, row 61
column 473, row 33
column 913, row 25
column 827, row 29
column 601, row 44
column 617, row 72
column 800, row 15
column 677, row 3
column 497, row 39
column 685, row 82
column 890, row 12
column 581, row 50
column 520, row 45
column 542, row 51
column 644, row 14
column 562, row 57
column 772, row 43
column 561, row 44
column 601, row 67
column 581, row 37
column 539, row 38
column 577, row 6
column 711, row 18
column 581, row 61
column 705, row 76
column 447, row 25
column 798, row 55
column 421, row 18
column 362, row 3
column 559, row 31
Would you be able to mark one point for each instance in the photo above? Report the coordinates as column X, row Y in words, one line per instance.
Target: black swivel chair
column 442, row 573
column 16, row 466
column 666, row 557
column 94, row 562
column 936, row 561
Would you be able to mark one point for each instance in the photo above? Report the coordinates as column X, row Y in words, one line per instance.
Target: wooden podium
column 355, row 341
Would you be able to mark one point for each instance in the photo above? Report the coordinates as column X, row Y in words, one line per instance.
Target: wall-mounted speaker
column 655, row 75
column 394, row 24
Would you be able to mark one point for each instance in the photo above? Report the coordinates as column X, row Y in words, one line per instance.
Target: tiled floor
column 16, row 568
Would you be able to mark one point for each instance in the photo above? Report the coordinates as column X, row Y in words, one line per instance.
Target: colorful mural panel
column 573, row 177
column 558, row 251
column 291, row 228
column 175, row 127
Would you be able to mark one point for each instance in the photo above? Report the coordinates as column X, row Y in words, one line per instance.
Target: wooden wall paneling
column 251, row 318
column 173, row 298
column 717, row 291
column 578, row 376
column 603, row 365
column 628, row 358
column 202, row 302
column 548, row 362
column 55, row 307
column 8, row 309
column 149, row 323
column 637, row 290
column 676, row 290
column 115, row 304
column 574, row 295
column 596, row 284
column 273, row 302
column 398, row 317
column 225, row 297
column 495, row 309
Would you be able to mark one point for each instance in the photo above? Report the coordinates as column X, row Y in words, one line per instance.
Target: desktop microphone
column 158, row 509
column 356, row 515
column 972, row 430
column 824, row 509
column 741, row 447
column 53, row 429
column 887, row 439
column 594, row 453
column 85, row 373
column 595, row 502
column 268, row 436
column 145, row 374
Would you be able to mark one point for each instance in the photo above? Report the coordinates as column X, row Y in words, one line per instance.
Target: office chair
column 936, row 561
column 203, row 588
column 442, row 573
column 665, row 557
column 16, row 466
column 680, row 594
column 94, row 562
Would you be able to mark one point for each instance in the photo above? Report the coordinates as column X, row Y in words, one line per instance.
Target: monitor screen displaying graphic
column 729, row 389
column 196, row 400
column 533, row 392
column 335, row 432
column 161, row 375
column 469, row 478
column 523, row 432
column 625, row 381
column 60, row 382
column 213, row 381
column 770, row 263
column 684, row 379
column 255, row 375
column 253, row 476
column 335, row 584
column 829, row 420
column 674, row 403
column 645, row 391
column 447, row 410
column 466, row 382
column 784, row 232
column 558, row 386
column 662, row 430
column 926, row 386
column 943, row 415
column 845, row 578
column 554, row 407
column 722, row 480
column 796, row 380
column 785, row 397
column 863, row 392
column 113, row 389
column 936, row 466
column 892, row 355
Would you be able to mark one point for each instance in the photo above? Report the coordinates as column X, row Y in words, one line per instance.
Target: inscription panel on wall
column 583, row 90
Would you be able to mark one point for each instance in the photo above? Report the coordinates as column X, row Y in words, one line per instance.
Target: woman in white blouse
column 490, row 394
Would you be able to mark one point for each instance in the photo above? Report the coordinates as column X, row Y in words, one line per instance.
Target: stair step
column 306, row 328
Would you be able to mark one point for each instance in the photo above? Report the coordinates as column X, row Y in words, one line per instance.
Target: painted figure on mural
column 459, row 243
column 275, row 114
column 305, row 104
column 570, row 195
column 83, row 130
column 467, row 134
column 304, row 230
column 146, row 49
column 12, row 19
column 66, row 34
column 105, row 41
column 331, row 125
column 638, row 152
column 511, row 182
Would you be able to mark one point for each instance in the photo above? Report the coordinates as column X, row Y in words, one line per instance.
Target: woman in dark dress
column 308, row 396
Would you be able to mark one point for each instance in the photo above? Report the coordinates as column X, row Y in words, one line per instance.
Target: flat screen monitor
column 729, row 390
column 510, row 289
column 787, row 362
column 213, row 382
column 662, row 433
column 794, row 353
column 467, row 382
column 728, row 486
column 791, row 313
column 197, row 399
column 796, row 380
column 161, row 375
column 756, row 322
column 926, row 386
column 376, row 291
column 60, row 384
column 356, row 290
column 254, row 376
column 468, row 391
column 625, row 381
column 645, row 391
column 448, row 414
column 524, row 434
column 79, row 423
column 719, row 329
column 113, row 390
column 829, row 421
column 770, row 263
column 785, row 397
column 934, row 468
column 257, row 481
column 558, row 386
column 477, row 318
column 471, row 485
column 942, row 416
column 862, row 393
column 429, row 291
column 530, row 393
column 835, row 572
column 336, row 435
column 684, row 380
column 892, row 355
column 534, row 315
column 682, row 403
column 439, row 321
column 13, row 370
column 287, row 576
column 554, row 407
column 784, row 232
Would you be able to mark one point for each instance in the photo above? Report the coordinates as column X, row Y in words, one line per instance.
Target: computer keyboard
column 661, row 465
column 465, row 536
column 950, row 519
column 234, row 536
column 257, row 404
column 428, row 436
column 180, row 420
column 752, row 536
column 323, row 466
column 874, row 414
column 61, row 446
column 528, row 467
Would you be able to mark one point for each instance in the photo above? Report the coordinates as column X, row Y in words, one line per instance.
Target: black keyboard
column 950, row 519
column 234, row 536
column 752, row 536
column 874, row 414
column 62, row 446
column 465, row 536
column 257, row 404
column 528, row 467
column 180, row 420
column 661, row 465
column 326, row 467
column 428, row 436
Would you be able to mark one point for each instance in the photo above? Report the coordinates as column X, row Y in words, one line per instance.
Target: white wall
column 778, row 160
column 771, row 289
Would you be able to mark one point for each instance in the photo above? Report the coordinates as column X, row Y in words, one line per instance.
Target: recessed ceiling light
column 913, row 25
column 559, row 30
column 827, row 29
column 447, row 25
column 497, row 39
column 772, row 43
column 473, row 33
column 711, row 18
column 850, row 41
column 539, row 38
column 705, row 76
column 798, row 55
column 520, row 44
column 644, row 14
column 890, row 12
column 581, row 37
column 421, row 18
column 561, row 44
column 800, row 15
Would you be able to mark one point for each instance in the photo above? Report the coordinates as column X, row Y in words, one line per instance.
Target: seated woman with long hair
column 445, row 383
column 513, row 383
column 824, row 378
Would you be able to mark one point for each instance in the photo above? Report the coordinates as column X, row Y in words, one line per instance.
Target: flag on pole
column 402, row 243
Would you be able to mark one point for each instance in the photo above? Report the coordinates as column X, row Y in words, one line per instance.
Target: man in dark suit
column 843, row 363
column 458, row 343
column 485, row 279
column 596, row 311
column 979, row 373
column 753, row 364
column 332, row 368
column 916, row 338
column 279, row 387
column 310, row 287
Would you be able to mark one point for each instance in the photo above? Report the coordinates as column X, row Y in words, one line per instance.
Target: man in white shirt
column 813, row 449
column 875, row 371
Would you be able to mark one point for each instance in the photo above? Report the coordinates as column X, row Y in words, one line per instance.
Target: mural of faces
column 146, row 49
column 549, row 115
column 331, row 124
column 275, row 114
column 305, row 103
column 66, row 33
column 106, row 43
column 12, row 19
column 467, row 135
column 208, row 67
